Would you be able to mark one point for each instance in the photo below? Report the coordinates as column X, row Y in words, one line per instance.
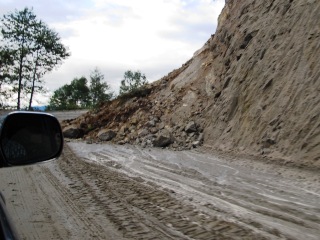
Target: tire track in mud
column 140, row 209
column 270, row 209
column 21, row 204
column 34, row 205
column 276, row 200
column 78, row 211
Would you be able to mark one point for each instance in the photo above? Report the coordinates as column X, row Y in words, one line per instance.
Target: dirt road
column 125, row 192
column 71, row 114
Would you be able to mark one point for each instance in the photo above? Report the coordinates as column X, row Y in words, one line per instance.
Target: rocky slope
column 253, row 88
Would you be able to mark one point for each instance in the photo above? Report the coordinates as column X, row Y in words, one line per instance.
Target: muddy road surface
column 102, row 191
column 68, row 114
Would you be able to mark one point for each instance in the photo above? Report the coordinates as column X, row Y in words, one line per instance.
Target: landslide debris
column 253, row 88
column 139, row 118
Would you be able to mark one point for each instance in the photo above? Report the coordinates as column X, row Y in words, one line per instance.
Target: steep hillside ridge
column 253, row 88
column 266, row 71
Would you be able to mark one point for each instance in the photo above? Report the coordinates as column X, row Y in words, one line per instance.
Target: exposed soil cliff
column 253, row 88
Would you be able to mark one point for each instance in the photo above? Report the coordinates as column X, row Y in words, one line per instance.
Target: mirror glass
column 29, row 138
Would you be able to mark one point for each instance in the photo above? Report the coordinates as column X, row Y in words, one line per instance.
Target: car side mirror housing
column 29, row 137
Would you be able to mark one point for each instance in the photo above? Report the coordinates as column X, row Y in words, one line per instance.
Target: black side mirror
column 29, row 137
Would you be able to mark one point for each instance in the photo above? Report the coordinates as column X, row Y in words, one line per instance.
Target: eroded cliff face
column 266, row 72
column 253, row 88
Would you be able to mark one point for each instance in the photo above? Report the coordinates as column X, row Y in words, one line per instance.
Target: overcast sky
column 153, row 36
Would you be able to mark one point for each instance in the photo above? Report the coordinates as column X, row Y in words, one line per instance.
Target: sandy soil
column 102, row 191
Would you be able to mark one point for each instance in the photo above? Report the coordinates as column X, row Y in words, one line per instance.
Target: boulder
column 72, row 131
column 164, row 138
column 106, row 135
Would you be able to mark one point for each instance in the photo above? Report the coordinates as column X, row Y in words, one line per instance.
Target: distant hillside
column 254, row 88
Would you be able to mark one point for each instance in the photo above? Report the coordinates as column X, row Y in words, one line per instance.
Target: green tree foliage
column 99, row 90
column 31, row 50
column 132, row 81
column 61, row 99
column 71, row 96
column 78, row 94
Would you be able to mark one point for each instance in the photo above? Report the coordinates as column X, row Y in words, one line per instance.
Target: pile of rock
column 153, row 133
